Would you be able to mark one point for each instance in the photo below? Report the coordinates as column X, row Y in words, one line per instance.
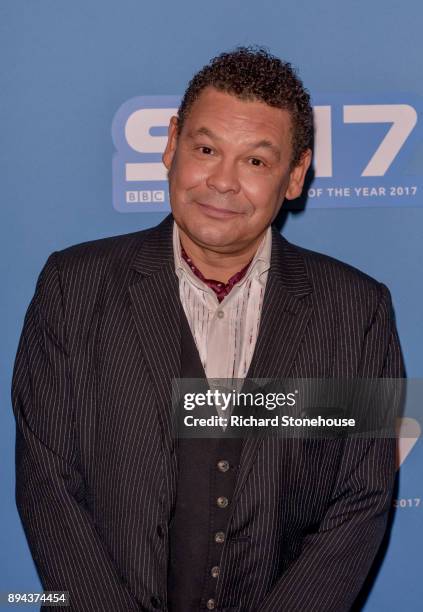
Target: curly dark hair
column 252, row 73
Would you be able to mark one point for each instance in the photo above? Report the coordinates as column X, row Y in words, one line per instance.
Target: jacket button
column 156, row 602
column 223, row 465
column 160, row 531
column 219, row 537
column 211, row 604
column 222, row 502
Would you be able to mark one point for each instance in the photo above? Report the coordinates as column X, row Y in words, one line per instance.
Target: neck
column 217, row 265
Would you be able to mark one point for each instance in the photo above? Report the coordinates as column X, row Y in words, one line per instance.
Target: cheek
column 263, row 193
column 186, row 174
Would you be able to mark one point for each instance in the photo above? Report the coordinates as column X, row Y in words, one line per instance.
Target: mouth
column 217, row 213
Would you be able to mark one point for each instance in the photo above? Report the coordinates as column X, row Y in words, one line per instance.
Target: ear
column 297, row 176
column 172, row 138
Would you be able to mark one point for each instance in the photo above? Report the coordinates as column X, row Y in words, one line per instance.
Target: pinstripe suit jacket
column 95, row 462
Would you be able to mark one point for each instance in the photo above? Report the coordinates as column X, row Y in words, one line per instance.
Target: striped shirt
column 225, row 333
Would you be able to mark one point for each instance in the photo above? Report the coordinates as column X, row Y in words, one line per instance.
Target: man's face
column 229, row 170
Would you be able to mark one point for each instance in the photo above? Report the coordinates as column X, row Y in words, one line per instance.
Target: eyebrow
column 264, row 143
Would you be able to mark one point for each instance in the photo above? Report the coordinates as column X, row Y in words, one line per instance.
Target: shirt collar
column 259, row 265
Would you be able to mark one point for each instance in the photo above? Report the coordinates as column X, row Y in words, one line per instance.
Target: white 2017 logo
column 403, row 118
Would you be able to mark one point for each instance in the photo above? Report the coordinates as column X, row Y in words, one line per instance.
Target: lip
column 217, row 213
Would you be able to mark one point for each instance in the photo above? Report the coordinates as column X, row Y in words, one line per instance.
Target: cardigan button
column 222, row 502
column 219, row 537
column 215, row 571
column 223, row 465
column 211, row 604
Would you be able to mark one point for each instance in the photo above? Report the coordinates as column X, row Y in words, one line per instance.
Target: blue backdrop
column 73, row 69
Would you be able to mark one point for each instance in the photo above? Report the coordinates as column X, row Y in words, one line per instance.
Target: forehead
column 226, row 115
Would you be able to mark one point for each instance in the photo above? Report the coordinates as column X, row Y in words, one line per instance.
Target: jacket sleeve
column 336, row 558
column 67, row 550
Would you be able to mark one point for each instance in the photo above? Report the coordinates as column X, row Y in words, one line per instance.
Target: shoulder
column 75, row 280
column 320, row 265
column 103, row 251
column 119, row 253
column 335, row 282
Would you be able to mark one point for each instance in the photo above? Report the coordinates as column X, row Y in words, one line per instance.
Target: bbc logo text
column 145, row 195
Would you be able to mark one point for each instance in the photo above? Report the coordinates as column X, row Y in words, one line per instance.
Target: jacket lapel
column 285, row 314
column 156, row 309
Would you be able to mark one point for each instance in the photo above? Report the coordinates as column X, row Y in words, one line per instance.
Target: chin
column 209, row 235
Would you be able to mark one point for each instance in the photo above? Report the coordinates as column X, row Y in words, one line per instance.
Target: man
column 114, row 510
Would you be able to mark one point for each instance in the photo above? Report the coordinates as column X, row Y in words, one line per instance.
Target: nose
column 223, row 177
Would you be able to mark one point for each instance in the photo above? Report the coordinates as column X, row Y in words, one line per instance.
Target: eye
column 205, row 150
column 254, row 161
